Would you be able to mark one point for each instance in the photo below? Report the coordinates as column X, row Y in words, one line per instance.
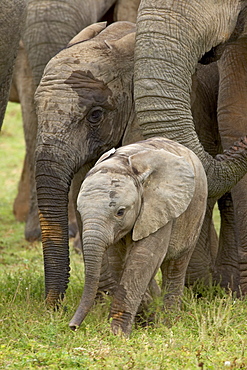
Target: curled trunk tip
column 73, row 326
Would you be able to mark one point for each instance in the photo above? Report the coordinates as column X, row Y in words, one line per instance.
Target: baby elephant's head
column 140, row 187
column 109, row 203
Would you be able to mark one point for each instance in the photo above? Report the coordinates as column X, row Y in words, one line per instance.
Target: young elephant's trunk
column 93, row 250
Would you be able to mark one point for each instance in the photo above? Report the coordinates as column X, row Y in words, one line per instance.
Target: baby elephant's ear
column 168, row 187
column 88, row 33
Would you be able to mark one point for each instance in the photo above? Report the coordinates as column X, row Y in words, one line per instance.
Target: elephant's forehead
column 87, row 86
column 105, row 181
column 62, row 69
column 96, row 59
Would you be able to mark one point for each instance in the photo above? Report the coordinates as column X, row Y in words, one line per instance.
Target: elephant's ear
column 106, row 155
column 168, row 187
column 125, row 44
column 88, row 33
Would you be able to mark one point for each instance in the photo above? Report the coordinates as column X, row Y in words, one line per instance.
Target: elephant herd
column 164, row 82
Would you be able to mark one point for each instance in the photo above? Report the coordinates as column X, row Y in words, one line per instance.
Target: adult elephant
column 12, row 19
column 172, row 36
column 84, row 104
column 48, row 28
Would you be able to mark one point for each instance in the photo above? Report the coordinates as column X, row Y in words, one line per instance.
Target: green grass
column 208, row 333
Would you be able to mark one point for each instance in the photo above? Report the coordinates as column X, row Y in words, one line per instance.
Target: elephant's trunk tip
column 77, row 319
column 237, row 147
column 73, row 326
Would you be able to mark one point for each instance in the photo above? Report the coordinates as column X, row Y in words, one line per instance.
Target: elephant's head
column 171, row 37
column 140, row 189
column 84, row 102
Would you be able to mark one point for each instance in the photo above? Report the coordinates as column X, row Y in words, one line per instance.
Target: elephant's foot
column 197, row 278
column 21, row 206
column 121, row 323
column 145, row 315
column 32, row 229
column 172, row 302
column 145, row 318
column 73, row 229
column 243, row 274
column 228, row 277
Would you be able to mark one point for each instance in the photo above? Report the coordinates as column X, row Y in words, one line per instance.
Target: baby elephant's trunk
column 93, row 252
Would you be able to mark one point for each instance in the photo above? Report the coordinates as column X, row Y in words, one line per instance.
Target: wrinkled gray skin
column 153, row 194
column 49, row 26
column 162, row 85
column 84, row 104
column 12, row 19
column 126, row 10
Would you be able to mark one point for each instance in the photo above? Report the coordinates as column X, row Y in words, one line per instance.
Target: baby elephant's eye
column 95, row 115
column 120, row 211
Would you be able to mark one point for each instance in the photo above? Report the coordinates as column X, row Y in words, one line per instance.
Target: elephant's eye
column 95, row 115
column 120, row 211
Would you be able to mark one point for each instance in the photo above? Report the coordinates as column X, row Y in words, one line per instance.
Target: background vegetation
column 208, row 333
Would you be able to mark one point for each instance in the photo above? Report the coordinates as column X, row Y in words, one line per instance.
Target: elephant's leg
column 73, row 227
column 226, row 266
column 173, row 278
column 112, row 267
column 21, row 202
column 232, row 118
column 144, row 315
column 32, row 228
column 201, row 265
column 143, row 261
column 204, row 109
column 23, row 81
column 239, row 196
column 111, row 272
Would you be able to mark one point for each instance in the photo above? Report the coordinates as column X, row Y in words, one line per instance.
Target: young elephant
column 150, row 196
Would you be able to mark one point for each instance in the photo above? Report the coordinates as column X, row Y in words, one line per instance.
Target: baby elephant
column 145, row 201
